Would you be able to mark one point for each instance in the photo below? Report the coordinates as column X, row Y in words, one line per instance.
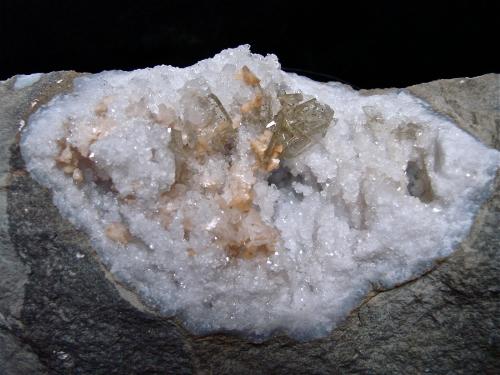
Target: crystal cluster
column 242, row 198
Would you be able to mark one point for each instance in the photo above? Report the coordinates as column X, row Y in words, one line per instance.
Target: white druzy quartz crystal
column 241, row 198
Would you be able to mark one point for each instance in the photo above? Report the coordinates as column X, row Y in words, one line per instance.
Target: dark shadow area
column 372, row 44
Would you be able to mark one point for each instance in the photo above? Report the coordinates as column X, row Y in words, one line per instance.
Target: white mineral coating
column 25, row 80
column 208, row 236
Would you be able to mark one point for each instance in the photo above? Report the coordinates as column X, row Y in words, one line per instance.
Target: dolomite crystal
column 242, row 198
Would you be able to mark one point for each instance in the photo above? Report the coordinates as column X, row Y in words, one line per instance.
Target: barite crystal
column 242, row 198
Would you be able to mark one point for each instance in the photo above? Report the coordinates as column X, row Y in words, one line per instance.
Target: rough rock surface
column 61, row 312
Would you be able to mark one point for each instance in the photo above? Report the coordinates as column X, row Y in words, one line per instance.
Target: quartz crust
column 242, row 198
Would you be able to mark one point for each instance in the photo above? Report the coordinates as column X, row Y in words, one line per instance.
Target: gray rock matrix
column 62, row 313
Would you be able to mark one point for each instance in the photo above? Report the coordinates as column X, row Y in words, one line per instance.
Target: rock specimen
column 242, row 198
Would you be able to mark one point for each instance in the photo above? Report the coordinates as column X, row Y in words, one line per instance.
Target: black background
column 367, row 44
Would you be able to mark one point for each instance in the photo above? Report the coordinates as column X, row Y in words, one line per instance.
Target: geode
column 241, row 198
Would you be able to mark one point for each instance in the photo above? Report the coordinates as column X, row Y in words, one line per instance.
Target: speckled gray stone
column 62, row 313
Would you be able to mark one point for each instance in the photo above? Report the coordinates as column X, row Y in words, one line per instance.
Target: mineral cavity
column 242, row 198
